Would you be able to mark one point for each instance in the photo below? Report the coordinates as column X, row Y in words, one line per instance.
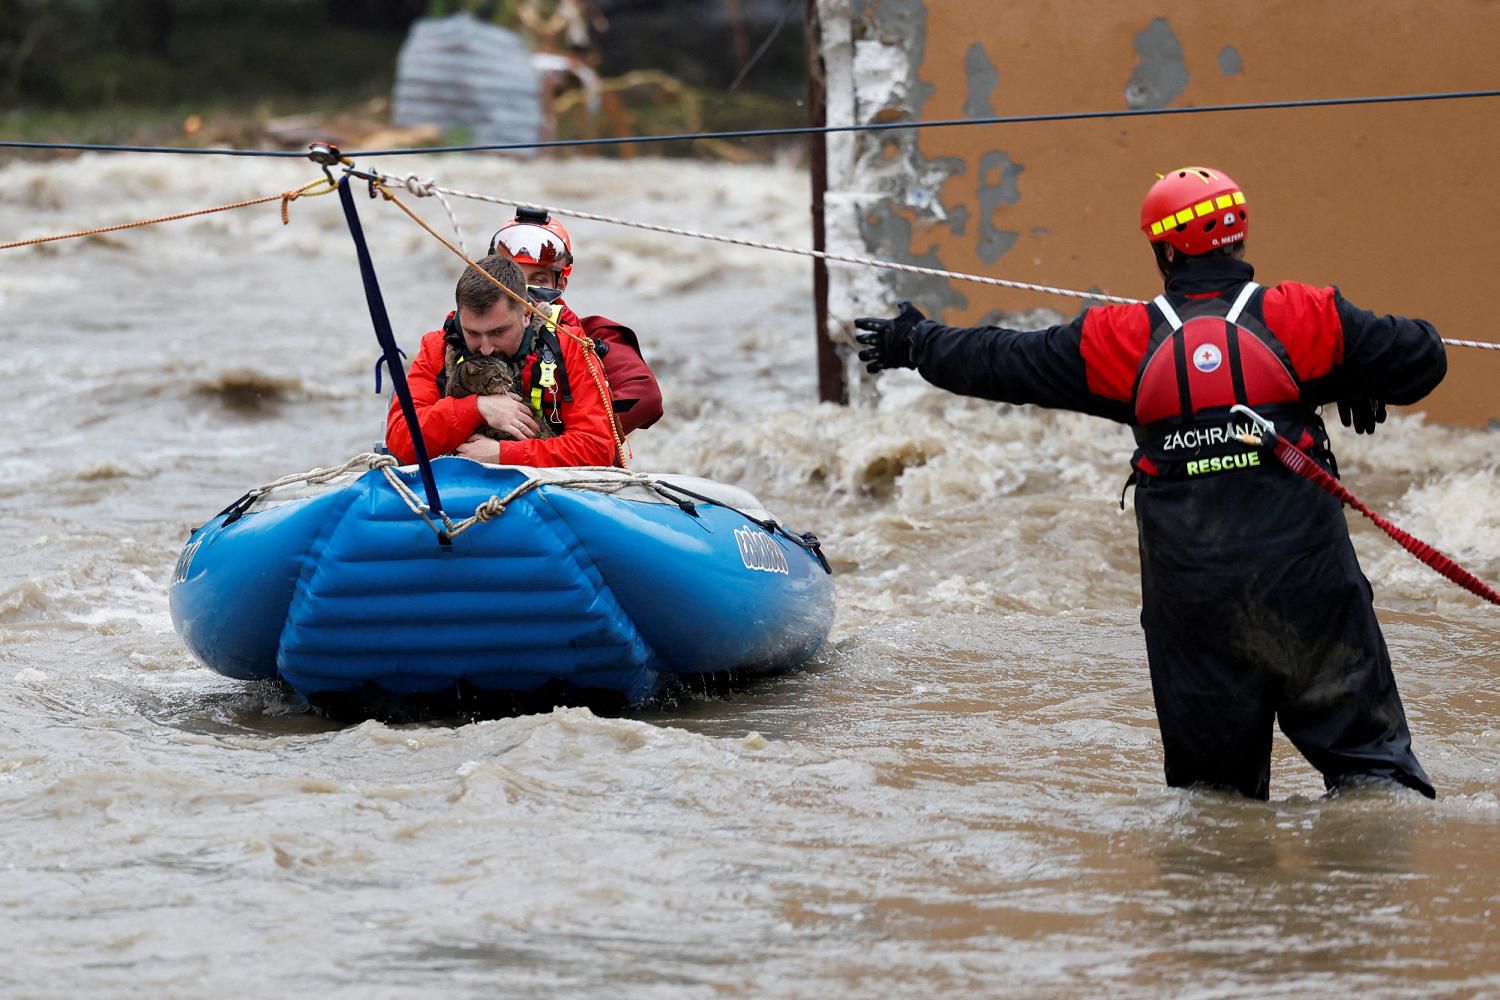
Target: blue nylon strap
column 378, row 364
column 388, row 345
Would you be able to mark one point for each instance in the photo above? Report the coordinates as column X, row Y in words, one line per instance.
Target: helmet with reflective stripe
column 1195, row 209
column 534, row 239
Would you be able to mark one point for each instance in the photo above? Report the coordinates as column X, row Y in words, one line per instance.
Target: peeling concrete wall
column 1392, row 202
column 880, row 185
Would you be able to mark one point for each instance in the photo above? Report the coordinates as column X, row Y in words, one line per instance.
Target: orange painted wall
column 1398, row 204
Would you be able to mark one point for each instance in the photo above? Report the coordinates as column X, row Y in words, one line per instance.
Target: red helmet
column 534, row 238
column 1195, row 209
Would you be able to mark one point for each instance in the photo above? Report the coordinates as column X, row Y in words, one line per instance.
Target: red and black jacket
column 1329, row 349
column 446, row 422
column 636, row 394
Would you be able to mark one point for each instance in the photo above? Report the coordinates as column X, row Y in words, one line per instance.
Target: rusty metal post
column 831, row 385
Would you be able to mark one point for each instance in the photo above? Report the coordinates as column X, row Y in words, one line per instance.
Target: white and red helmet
column 1195, row 209
column 534, row 239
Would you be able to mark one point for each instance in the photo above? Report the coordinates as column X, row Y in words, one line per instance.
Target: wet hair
column 476, row 293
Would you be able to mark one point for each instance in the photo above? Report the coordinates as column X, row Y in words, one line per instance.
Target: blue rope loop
column 392, row 353
column 381, row 362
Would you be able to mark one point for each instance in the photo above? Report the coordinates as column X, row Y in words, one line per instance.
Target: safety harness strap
column 1167, row 312
column 1241, row 301
column 548, row 371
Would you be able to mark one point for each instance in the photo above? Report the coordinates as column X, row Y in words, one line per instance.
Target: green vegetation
column 135, row 71
column 80, row 54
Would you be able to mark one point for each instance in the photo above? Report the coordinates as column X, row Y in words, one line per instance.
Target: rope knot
column 491, row 508
column 287, row 197
column 419, row 186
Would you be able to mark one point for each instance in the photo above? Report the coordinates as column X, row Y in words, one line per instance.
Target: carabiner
column 1255, row 418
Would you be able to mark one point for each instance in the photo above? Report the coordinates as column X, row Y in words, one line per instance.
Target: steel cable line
column 791, row 131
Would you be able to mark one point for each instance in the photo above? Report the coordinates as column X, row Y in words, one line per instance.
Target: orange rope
column 590, row 355
column 286, row 197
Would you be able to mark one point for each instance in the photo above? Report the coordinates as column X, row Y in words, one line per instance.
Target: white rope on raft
column 609, row 479
column 428, row 188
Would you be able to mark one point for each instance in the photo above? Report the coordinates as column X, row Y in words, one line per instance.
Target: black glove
column 1361, row 414
column 888, row 344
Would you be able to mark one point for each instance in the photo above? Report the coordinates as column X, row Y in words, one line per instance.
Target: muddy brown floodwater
column 960, row 796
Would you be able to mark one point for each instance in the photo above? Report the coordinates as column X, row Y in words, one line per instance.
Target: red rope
column 1298, row 461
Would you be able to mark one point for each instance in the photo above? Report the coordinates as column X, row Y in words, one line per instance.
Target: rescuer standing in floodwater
column 1253, row 604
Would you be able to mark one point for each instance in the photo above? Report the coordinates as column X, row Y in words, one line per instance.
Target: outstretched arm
column 1047, row 367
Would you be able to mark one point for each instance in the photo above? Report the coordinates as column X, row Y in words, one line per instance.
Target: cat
column 484, row 375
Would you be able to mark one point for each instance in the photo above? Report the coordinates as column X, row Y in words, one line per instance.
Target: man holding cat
column 561, row 382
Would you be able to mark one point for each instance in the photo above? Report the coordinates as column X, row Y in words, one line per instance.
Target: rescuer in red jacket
column 540, row 245
column 562, row 383
column 1253, row 604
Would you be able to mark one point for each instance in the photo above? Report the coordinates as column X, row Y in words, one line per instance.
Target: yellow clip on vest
column 547, row 378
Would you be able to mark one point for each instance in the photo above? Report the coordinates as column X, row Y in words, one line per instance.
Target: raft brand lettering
column 1199, row 437
column 757, row 551
column 185, row 560
column 1224, row 463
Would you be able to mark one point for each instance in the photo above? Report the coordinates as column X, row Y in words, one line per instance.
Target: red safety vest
column 1201, row 360
column 1219, row 355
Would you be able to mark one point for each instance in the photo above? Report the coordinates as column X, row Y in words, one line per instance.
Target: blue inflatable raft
column 566, row 585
